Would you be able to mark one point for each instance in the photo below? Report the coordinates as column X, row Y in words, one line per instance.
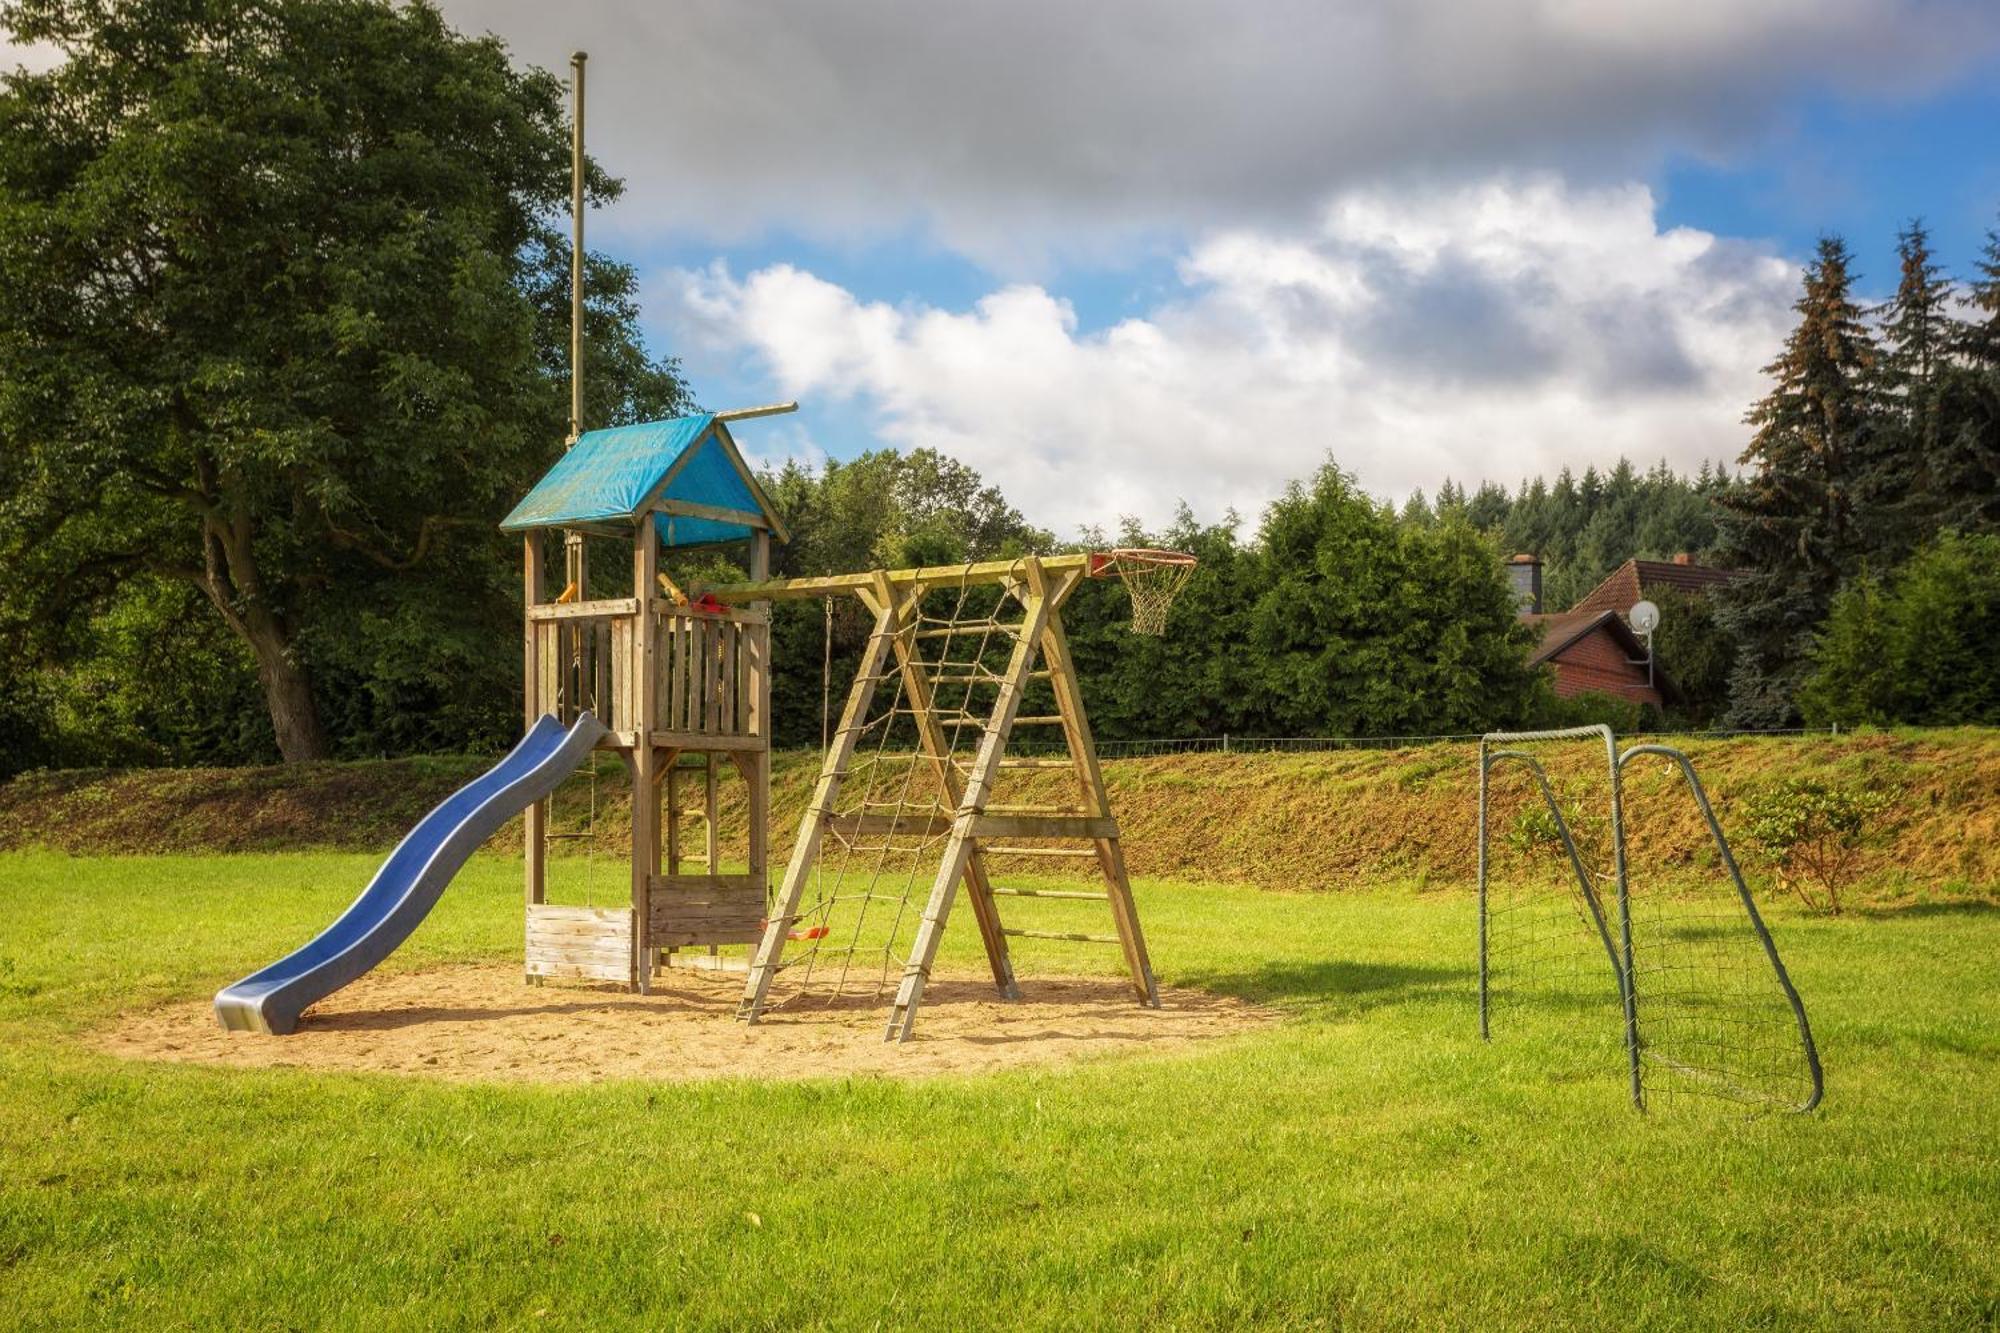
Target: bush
column 1916, row 648
column 1811, row 834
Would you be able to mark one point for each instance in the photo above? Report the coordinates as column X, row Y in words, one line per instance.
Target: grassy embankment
column 1305, row 821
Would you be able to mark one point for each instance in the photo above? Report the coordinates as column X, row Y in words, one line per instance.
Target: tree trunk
column 287, row 694
column 231, row 579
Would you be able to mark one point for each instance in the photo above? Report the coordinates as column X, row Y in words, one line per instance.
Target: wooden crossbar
column 826, row 585
column 1073, row 937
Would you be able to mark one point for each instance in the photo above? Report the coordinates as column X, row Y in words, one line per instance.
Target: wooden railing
column 583, row 660
column 710, row 669
column 711, row 672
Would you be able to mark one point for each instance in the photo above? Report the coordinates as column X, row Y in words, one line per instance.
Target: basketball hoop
column 1152, row 580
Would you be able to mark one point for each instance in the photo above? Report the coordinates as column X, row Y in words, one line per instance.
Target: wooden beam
column 923, row 711
column 714, row 513
column 535, row 822
column 702, row 740
column 1090, row 785
column 746, row 413
column 1044, row 826
column 980, row 572
column 978, row 786
column 603, row 606
column 889, row 826
column 644, row 758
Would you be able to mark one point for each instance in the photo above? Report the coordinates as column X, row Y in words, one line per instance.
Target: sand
column 483, row 1024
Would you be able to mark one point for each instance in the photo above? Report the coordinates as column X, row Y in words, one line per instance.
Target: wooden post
column 576, row 255
column 1090, row 783
column 645, row 762
column 812, row 825
column 535, row 822
column 756, row 765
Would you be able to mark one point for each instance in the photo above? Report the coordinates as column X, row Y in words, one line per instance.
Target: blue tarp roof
column 607, row 476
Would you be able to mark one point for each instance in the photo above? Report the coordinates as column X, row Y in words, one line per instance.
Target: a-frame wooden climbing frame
column 976, row 829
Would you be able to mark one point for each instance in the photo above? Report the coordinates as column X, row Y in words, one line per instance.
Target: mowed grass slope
column 1367, row 1163
column 1311, row 821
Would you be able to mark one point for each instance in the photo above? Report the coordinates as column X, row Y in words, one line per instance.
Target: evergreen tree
column 1893, row 490
column 1363, row 626
column 1964, row 463
column 1915, row 648
column 1789, row 522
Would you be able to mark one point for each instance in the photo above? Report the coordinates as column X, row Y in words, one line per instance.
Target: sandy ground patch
column 482, row 1022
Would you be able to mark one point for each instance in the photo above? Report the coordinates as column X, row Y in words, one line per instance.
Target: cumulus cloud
column 1016, row 128
column 1485, row 331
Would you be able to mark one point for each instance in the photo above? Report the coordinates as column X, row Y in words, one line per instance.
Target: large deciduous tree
column 281, row 317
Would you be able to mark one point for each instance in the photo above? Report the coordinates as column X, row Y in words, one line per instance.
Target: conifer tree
column 1964, row 463
column 1789, row 520
column 1894, row 493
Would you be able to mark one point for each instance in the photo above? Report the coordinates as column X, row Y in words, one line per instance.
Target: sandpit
column 482, row 1023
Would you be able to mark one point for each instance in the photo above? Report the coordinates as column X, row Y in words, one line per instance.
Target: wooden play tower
column 913, row 798
column 682, row 689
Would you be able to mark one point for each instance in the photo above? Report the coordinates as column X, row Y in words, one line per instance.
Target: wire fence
column 1232, row 744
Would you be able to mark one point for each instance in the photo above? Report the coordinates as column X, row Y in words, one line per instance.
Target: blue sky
column 1128, row 254
column 1856, row 162
column 1860, row 168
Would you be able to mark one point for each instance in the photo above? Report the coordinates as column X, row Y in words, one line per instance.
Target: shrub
column 1811, row 834
column 1915, row 648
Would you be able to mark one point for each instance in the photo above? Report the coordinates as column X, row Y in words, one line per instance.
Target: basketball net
column 1152, row 580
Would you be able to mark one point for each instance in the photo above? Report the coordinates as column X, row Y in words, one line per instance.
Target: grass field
column 1366, row 1163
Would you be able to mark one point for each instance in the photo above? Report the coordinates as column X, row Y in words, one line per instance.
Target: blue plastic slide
column 409, row 883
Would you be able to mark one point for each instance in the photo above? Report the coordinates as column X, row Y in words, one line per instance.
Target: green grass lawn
column 1366, row 1163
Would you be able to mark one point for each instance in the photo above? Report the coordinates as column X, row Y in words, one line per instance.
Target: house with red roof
column 1592, row 648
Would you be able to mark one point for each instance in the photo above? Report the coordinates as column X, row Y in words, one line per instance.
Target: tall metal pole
column 576, row 245
column 575, row 571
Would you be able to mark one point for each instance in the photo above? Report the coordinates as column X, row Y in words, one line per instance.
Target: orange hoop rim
column 1107, row 562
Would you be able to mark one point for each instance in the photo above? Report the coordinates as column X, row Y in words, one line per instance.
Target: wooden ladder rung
column 1050, row 811
column 1069, row 936
column 961, row 631
column 1048, row 720
column 1073, row 894
column 1036, row 763
column 1038, row 851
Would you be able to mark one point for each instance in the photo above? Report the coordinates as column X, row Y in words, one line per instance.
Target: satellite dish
column 1645, row 617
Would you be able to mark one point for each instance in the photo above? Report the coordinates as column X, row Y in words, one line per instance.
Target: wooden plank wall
column 586, row 943
column 706, row 909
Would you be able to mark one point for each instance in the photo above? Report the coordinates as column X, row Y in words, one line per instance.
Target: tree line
column 257, row 428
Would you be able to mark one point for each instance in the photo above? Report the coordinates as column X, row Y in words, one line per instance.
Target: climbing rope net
column 1598, row 894
column 932, row 699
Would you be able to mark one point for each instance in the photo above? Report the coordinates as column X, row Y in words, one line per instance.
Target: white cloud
column 1012, row 129
column 1486, row 331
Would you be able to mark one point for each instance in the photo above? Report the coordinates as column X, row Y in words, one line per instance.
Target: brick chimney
column 1524, row 573
column 1683, row 558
